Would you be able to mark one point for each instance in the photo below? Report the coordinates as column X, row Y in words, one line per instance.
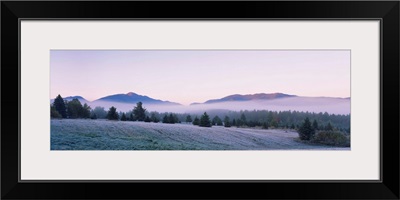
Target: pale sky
column 187, row 76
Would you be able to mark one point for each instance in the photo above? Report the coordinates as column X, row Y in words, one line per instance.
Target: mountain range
column 271, row 101
column 249, row 97
column 134, row 98
column 69, row 98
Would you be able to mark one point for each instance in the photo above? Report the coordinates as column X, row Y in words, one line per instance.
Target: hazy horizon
column 189, row 76
column 78, row 95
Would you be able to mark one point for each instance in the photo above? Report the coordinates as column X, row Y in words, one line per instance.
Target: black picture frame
column 386, row 11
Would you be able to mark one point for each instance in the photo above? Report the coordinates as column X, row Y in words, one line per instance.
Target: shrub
column 172, row 119
column 100, row 112
column 165, row 119
column 239, row 123
column 94, row 116
column 147, row 119
column 333, row 138
column 329, row 127
column 54, row 113
column 74, row 109
column 265, row 125
column 154, row 118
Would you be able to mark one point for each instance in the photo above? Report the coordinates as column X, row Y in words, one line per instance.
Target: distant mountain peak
column 74, row 97
column 70, row 98
column 132, row 97
column 131, row 94
column 249, row 97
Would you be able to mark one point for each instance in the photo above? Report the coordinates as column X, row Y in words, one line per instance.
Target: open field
column 80, row 134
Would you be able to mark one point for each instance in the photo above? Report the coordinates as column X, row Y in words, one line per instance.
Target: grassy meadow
column 86, row 134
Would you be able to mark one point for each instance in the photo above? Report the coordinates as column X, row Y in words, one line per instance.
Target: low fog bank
column 310, row 104
column 125, row 107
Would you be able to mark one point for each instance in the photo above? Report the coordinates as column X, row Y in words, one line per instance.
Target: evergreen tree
column 172, row 119
column 154, row 118
column 251, row 123
column 217, row 121
column 329, row 127
column 74, row 109
column 112, row 114
column 279, row 119
column 270, row 117
column 100, row 112
column 274, row 123
column 287, row 126
column 205, row 120
column 131, row 117
column 123, row 117
column 315, row 125
column 238, row 123
column 265, row 125
column 196, row 121
column 139, row 112
column 227, row 122
column 189, row 119
column 243, row 120
column 306, row 132
column 147, row 119
column 93, row 116
column 165, row 119
column 60, row 107
column 233, row 122
column 85, row 111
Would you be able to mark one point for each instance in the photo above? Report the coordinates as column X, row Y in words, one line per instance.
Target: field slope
column 69, row 134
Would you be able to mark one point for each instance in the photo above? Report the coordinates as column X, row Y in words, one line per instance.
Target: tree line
column 285, row 119
column 328, row 136
column 69, row 109
column 74, row 109
column 256, row 118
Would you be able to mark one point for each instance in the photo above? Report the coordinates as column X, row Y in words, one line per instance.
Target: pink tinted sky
column 187, row 76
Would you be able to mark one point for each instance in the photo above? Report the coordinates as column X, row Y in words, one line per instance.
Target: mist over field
column 199, row 99
column 305, row 104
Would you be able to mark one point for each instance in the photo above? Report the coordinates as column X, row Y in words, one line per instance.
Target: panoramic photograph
column 200, row 100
